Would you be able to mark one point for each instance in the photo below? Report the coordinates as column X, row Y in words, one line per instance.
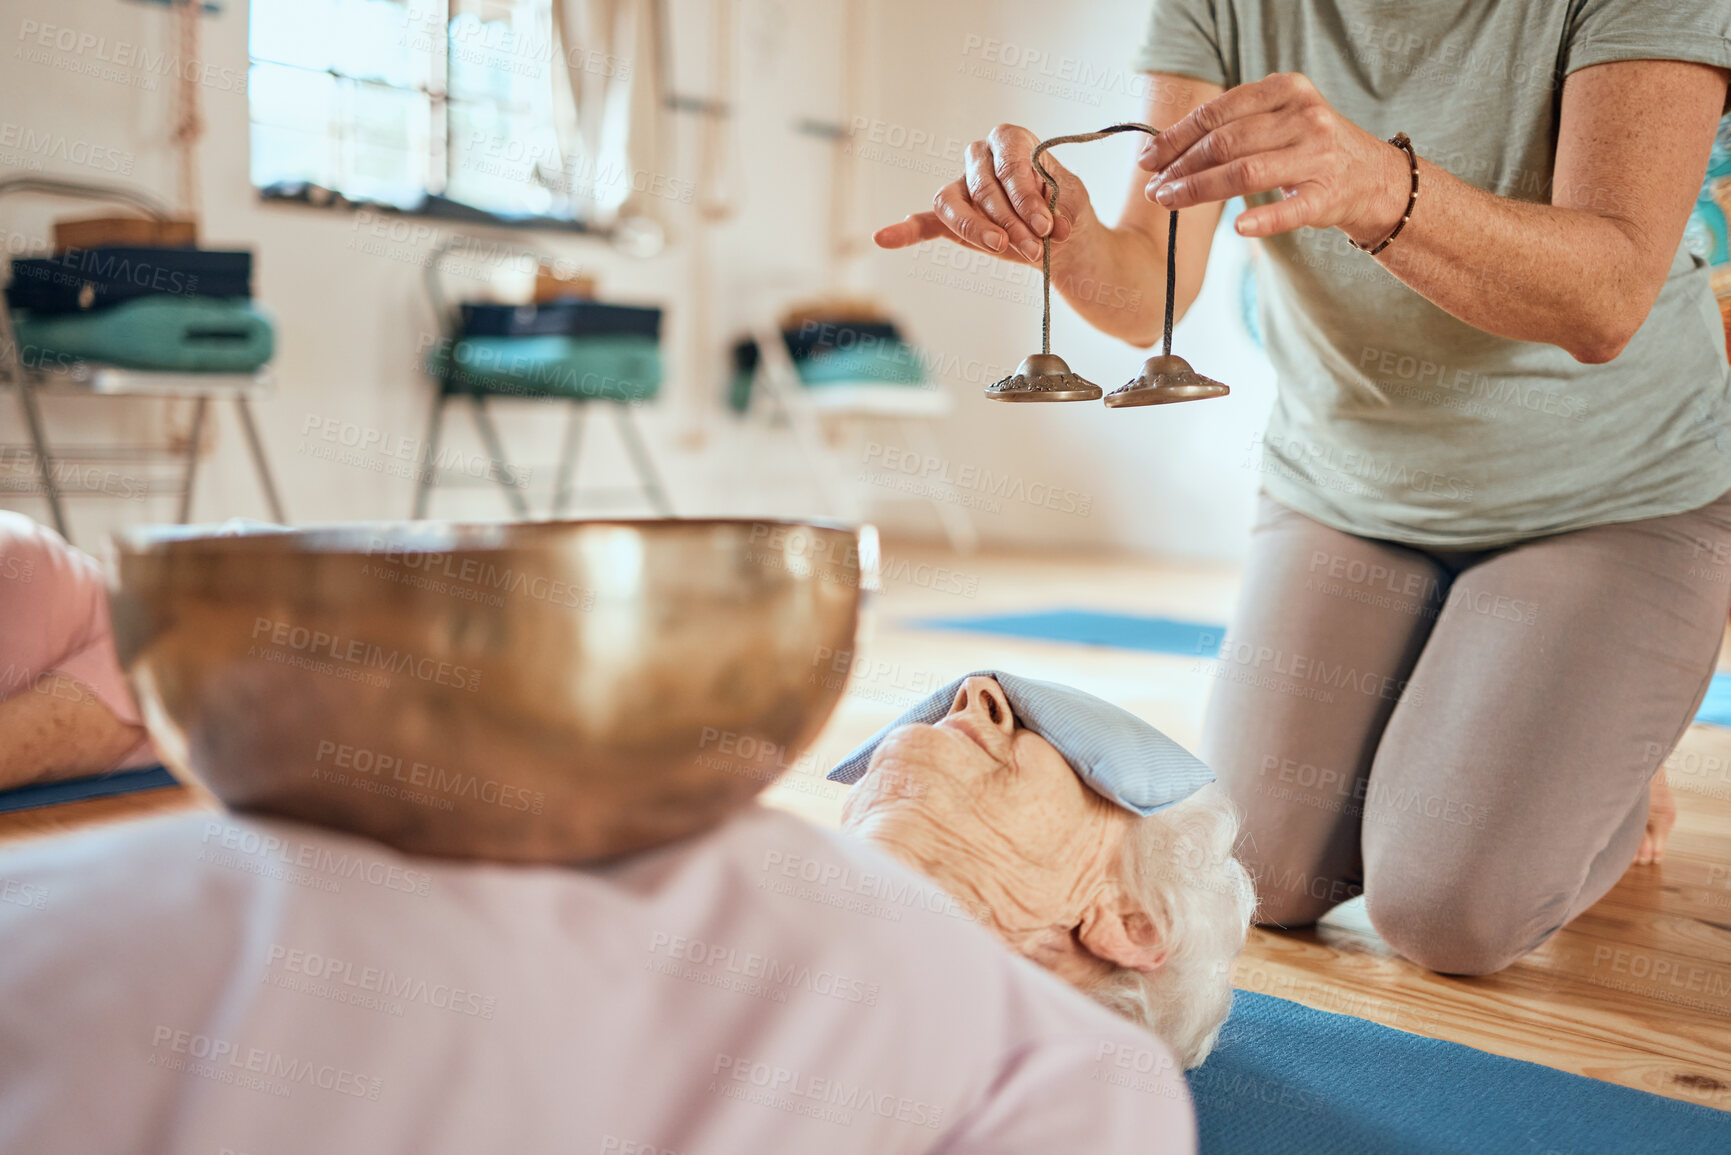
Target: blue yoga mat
column 78, row 789
column 1285, row 1078
column 1189, row 639
column 1716, row 706
column 1089, row 627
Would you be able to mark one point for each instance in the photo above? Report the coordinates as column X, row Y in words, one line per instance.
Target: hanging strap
column 1046, row 241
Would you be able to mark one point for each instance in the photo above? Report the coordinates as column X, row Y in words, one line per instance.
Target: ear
column 1119, row 933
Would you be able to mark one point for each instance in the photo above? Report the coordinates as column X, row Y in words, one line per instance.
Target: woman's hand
column 1279, row 133
column 1000, row 205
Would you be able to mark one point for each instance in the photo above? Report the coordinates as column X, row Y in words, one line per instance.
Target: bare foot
column 1661, row 816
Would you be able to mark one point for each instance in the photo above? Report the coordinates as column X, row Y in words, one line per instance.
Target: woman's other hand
column 1279, row 133
column 1000, row 205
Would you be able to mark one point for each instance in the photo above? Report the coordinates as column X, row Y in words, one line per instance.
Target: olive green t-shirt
column 1394, row 419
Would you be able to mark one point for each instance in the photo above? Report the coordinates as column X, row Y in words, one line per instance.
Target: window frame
column 434, row 204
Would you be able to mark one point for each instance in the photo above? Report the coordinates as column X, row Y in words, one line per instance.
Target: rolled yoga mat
column 1171, row 636
column 1288, row 1079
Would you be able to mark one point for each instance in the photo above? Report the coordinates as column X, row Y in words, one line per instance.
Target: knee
column 1449, row 931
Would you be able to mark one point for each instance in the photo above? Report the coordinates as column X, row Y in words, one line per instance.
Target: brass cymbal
column 1165, row 380
column 1043, row 377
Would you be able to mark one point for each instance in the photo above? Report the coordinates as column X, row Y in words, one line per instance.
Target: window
column 411, row 102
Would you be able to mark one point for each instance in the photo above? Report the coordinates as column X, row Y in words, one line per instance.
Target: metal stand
column 88, row 380
column 496, row 451
column 565, row 473
column 640, row 460
column 198, row 411
column 39, row 443
column 259, row 463
column 648, row 479
column 907, row 407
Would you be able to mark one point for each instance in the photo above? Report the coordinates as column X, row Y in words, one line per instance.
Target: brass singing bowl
column 552, row 692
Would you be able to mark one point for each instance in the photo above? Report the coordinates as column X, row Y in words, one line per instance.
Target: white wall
column 351, row 314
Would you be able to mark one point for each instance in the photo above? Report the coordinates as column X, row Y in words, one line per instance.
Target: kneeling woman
column 1091, row 843
column 1486, row 588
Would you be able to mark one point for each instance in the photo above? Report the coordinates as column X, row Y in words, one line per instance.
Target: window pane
column 386, row 40
column 298, row 32
column 503, row 161
column 291, row 96
column 385, row 149
column 294, row 130
column 501, row 52
column 352, row 95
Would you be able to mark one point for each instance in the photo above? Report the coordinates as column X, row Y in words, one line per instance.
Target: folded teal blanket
column 164, row 333
column 624, row 367
column 897, row 364
column 892, row 362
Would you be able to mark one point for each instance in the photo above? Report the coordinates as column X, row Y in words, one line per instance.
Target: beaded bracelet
column 1400, row 141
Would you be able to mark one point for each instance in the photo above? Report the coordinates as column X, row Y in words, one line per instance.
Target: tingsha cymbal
column 1044, row 377
column 1164, row 380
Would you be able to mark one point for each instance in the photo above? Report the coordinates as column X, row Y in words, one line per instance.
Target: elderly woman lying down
column 239, row 982
column 1088, row 841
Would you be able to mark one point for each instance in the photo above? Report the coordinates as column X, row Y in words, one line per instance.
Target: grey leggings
column 1465, row 738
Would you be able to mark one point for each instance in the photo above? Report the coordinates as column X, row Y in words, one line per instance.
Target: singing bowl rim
column 170, row 576
column 358, row 537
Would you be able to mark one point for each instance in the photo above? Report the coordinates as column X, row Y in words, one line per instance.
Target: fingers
column 1262, row 96
column 916, row 228
column 1282, row 216
column 920, row 227
column 1012, row 151
column 1259, row 172
column 1000, row 206
column 1247, row 136
column 1072, row 195
column 991, row 198
column 957, row 211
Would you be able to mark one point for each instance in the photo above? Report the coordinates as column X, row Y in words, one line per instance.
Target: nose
column 984, row 698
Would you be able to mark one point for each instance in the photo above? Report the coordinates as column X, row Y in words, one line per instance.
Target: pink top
column 212, row 983
column 54, row 619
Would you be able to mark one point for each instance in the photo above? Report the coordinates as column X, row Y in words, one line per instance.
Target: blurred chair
column 60, row 374
column 620, row 371
column 877, row 378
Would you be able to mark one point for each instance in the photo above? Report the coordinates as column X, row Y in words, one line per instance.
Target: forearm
column 1581, row 272
column 1530, row 272
column 59, row 729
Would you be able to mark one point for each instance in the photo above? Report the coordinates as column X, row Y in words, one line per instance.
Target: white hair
column 1178, row 866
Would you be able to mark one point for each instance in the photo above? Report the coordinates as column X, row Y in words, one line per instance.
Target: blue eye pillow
column 1120, row 757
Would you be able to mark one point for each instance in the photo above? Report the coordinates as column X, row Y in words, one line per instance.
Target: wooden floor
column 1637, row 991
